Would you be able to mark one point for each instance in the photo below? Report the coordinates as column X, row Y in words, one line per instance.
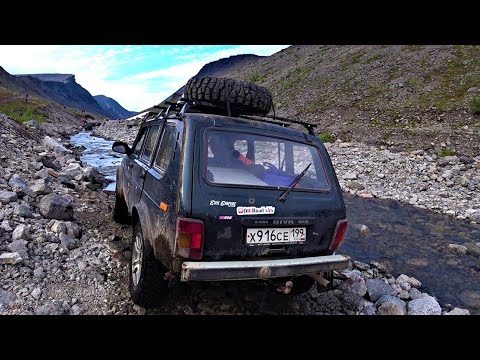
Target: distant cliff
column 115, row 110
column 63, row 89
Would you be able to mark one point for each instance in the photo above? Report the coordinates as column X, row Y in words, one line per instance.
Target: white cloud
column 95, row 66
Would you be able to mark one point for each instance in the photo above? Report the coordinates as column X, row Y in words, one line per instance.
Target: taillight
column 190, row 238
column 339, row 234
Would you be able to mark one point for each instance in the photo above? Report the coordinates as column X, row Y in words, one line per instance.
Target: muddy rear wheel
column 147, row 284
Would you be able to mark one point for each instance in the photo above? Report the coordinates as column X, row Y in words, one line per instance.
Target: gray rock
column 51, row 164
column 10, row 258
column 67, row 182
column 458, row 249
column 93, row 176
column 6, row 297
column 390, row 305
column 355, row 285
column 350, row 176
column 7, row 197
column 376, row 288
column 426, row 305
column 39, row 188
column 6, row 226
column 380, row 267
column 18, row 246
column 73, row 230
column 351, row 301
column 23, row 211
column 21, row 232
column 369, row 310
column 17, row 183
column 67, row 241
column 55, row 146
column 73, row 169
column 36, row 293
column 76, row 310
column 360, row 265
column 38, row 273
column 475, row 217
column 53, row 206
column 42, row 174
column 59, row 227
column 49, row 309
column 463, row 181
column 355, row 185
column 466, row 160
column 457, row 311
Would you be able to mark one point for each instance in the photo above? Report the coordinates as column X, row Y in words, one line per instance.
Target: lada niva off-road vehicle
column 217, row 189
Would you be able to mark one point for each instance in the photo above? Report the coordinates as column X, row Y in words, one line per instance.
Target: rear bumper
column 260, row 269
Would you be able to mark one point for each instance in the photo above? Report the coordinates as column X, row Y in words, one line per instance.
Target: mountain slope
column 63, row 88
column 407, row 96
column 111, row 106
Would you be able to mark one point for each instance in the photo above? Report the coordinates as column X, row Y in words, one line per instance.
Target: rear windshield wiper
column 295, row 181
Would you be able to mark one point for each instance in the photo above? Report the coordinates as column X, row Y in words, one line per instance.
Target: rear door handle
column 129, row 166
column 143, row 173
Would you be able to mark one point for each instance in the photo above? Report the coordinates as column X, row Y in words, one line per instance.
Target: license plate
column 261, row 236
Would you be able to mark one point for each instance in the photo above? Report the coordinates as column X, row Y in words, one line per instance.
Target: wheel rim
column 137, row 258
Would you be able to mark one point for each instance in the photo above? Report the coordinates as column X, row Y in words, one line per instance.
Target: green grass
column 20, row 111
column 445, row 152
column 326, row 137
column 475, row 105
column 256, row 76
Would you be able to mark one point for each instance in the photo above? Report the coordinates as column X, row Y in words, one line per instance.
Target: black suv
column 216, row 189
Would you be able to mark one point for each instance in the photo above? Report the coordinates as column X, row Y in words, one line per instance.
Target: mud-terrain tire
column 245, row 98
column 120, row 209
column 146, row 274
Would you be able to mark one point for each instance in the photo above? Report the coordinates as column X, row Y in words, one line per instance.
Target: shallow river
column 407, row 239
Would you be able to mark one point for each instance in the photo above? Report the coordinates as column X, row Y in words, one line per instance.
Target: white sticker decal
column 223, row 203
column 252, row 210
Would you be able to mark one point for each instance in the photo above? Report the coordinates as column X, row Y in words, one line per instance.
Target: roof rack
column 183, row 105
column 308, row 126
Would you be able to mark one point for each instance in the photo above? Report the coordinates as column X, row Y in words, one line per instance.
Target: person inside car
column 225, row 155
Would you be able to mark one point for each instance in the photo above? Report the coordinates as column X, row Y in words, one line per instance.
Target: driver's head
column 220, row 144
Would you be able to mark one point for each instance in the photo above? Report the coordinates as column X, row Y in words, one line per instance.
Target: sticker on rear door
column 253, row 210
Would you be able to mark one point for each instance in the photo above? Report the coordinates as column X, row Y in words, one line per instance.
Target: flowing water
column 408, row 240
column 99, row 154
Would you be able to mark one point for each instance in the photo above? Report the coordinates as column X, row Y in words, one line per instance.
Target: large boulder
column 55, row 146
column 426, row 305
column 53, row 206
column 390, row 305
column 377, row 288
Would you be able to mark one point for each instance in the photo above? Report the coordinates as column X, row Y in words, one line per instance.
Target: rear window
column 236, row 158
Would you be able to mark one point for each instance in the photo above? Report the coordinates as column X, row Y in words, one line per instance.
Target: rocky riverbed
column 60, row 252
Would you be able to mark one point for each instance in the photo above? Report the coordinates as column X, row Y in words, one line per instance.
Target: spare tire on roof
column 245, row 98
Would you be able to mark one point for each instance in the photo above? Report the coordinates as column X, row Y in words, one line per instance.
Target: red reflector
column 191, row 232
column 339, row 234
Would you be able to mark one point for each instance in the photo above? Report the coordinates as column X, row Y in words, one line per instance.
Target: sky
column 137, row 76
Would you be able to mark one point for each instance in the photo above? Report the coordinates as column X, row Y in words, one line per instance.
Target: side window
column 150, row 142
column 138, row 146
column 166, row 148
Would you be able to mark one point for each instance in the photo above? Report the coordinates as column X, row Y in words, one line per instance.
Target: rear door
column 160, row 191
column 140, row 163
column 239, row 203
